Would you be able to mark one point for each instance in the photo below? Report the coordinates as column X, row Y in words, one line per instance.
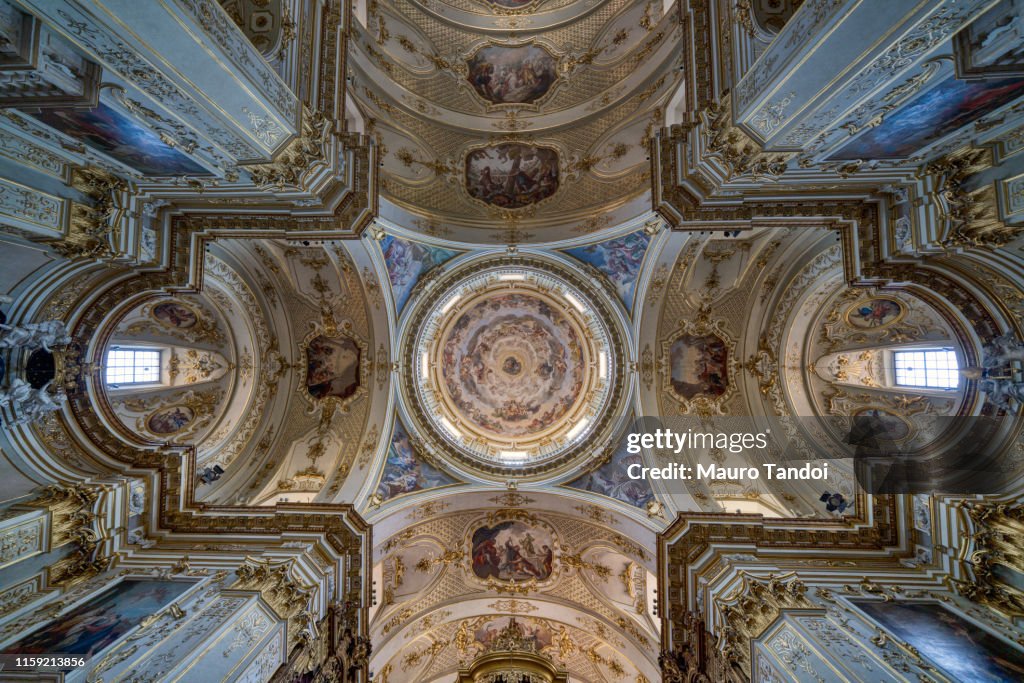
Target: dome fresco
column 514, row 362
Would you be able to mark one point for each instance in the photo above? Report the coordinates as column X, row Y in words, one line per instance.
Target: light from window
column 932, row 368
column 133, row 366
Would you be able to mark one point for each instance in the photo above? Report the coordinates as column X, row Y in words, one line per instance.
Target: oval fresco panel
column 513, row 550
column 512, row 175
column 170, row 420
column 882, row 424
column 174, row 314
column 875, row 313
column 512, row 75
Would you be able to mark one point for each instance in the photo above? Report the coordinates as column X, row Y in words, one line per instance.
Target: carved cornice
column 298, row 159
column 998, row 549
column 73, row 520
column 752, row 609
column 688, row 541
column 971, row 215
column 70, row 508
column 94, row 227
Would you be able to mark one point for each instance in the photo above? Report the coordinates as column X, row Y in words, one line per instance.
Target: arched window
column 132, row 366
column 926, row 368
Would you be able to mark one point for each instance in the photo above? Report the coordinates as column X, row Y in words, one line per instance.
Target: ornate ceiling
column 580, row 589
column 494, row 119
column 440, row 257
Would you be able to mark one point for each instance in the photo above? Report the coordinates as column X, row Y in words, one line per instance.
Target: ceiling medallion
column 337, row 366
column 513, row 366
column 512, row 175
column 503, row 74
column 514, row 547
column 699, row 366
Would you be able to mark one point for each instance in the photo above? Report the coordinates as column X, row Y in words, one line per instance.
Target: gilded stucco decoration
column 462, row 571
column 516, row 548
column 476, row 129
column 184, row 320
column 336, row 372
column 512, row 175
column 521, row 74
column 512, row 365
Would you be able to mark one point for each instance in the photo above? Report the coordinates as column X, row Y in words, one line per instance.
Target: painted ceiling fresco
column 407, row 261
column 513, row 365
column 512, row 75
column 405, row 471
column 489, row 124
column 512, row 175
column 619, row 259
column 122, row 138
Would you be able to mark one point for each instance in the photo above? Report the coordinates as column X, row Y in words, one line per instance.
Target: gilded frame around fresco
column 330, row 330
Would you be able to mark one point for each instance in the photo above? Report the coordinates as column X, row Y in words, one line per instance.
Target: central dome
column 514, row 365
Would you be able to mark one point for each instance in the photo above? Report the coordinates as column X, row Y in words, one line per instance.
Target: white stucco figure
column 1002, row 350
column 31, row 404
column 17, row 394
column 46, row 334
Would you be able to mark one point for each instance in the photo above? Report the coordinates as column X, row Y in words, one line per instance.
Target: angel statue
column 31, row 404
column 41, row 403
column 1002, row 350
column 1000, row 391
column 46, row 334
column 18, row 393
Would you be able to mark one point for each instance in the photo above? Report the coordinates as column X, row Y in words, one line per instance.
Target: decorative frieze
column 21, row 594
column 22, row 537
column 32, row 209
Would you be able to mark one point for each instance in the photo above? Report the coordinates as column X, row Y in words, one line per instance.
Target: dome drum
column 513, row 366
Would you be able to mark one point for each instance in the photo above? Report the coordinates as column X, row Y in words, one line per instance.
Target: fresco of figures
column 173, row 314
column 107, row 130
column 513, row 365
column 883, row 424
column 931, row 116
column 91, row 627
column 619, row 259
column 512, row 175
column 612, row 479
column 332, row 367
column 875, row 313
column 513, row 550
column 961, row 649
column 512, row 75
column 403, row 471
column 699, row 366
column 407, row 261
column 170, row 420
column 533, row 631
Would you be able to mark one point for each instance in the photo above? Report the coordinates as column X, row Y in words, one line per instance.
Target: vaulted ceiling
column 534, row 118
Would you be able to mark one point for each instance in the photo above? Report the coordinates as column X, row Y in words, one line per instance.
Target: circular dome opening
column 513, row 366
